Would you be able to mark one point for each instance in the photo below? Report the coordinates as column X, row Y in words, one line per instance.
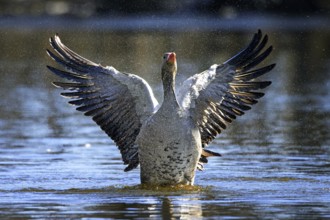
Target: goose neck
column 169, row 89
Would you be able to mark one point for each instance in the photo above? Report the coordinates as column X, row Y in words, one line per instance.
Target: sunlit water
column 55, row 163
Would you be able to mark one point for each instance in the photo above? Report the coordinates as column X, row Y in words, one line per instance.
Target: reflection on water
column 55, row 162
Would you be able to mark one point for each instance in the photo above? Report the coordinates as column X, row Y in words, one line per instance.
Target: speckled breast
column 169, row 150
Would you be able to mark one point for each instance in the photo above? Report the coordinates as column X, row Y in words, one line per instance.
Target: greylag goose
column 168, row 140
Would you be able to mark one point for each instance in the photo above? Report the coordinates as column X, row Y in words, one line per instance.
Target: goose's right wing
column 119, row 103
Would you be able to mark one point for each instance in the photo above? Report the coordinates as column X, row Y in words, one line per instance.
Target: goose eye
column 164, row 57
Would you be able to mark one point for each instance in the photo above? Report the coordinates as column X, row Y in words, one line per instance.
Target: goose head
column 169, row 66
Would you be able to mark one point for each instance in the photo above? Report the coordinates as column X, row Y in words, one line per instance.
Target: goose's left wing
column 216, row 96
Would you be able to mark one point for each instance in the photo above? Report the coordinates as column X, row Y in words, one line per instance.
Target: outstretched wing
column 216, row 96
column 119, row 103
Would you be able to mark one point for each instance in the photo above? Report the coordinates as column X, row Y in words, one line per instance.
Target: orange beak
column 171, row 58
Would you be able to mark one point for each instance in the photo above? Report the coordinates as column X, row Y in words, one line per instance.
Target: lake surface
column 56, row 163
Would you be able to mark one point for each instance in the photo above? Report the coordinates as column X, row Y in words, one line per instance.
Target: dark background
column 226, row 8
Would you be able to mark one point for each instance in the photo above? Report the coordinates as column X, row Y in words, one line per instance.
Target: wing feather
column 215, row 97
column 119, row 103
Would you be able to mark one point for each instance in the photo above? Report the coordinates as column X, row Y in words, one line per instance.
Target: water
column 56, row 163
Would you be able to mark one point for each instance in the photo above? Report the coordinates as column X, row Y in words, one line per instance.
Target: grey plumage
column 226, row 90
column 168, row 140
column 107, row 95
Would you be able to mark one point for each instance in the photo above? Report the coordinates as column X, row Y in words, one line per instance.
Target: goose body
column 168, row 140
column 169, row 155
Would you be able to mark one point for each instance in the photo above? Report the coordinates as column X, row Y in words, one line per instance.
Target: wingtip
column 266, row 84
column 272, row 66
column 57, row 37
column 131, row 166
column 51, row 54
column 57, row 84
column 52, row 69
column 208, row 153
column 54, row 40
column 48, row 52
column 51, row 40
column 49, row 67
column 270, row 48
column 259, row 32
column 258, row 35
